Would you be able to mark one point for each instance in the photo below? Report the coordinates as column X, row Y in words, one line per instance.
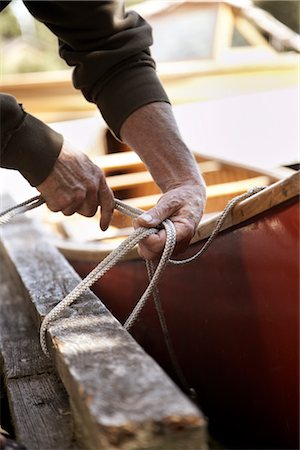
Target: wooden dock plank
column 38, row 401
column 41, row 412
column 20, row 348
column 120, row 396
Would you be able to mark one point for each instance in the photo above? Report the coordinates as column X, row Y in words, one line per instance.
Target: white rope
column 166, row 335
column 10, row 213
column 154, row 276
column 230, row 205
column 105, row 265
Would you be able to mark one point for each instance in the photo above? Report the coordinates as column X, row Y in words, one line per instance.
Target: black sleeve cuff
column 127, row 92
column 32, row 150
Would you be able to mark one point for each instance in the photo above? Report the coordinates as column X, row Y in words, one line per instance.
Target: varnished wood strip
column 273, row 195
column 236, row 187
column 231, row 188
column 128, row 180
column 129, row 159
column 118, row 161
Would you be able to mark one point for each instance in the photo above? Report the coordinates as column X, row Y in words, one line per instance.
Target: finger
column 164, row 209
column 184, row 234
column 152, row 246
column 52, row 206
column 107, row 204
column 58, row 201
column 73, row 203
column 90, row 204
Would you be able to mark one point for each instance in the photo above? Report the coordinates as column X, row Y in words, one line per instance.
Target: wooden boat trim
column 279, row 192
column 130, row 160
column 217, row 190
column 271, row 196
column 126, row 180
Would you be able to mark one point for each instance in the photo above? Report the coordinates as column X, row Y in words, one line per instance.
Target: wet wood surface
column 120, row 397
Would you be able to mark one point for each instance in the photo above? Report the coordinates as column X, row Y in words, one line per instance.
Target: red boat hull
column 233, row 318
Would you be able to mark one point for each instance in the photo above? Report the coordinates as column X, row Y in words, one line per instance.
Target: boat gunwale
column 277, row 193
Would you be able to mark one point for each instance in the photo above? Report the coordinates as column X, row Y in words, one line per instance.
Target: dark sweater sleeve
column 27, row 144
column 110, row 52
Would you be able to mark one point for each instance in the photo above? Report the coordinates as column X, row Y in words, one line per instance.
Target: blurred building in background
column 230, row 68
column 288, row 12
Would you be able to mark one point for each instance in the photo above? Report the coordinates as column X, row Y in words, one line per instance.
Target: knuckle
column 67, row 212
column 103, row 187
column 59, row 204
column 170, row 200
column 91, row 185
column 79, row 195
column 53, row 208
column 89, row 212
column 174, row 203
column 190, row 229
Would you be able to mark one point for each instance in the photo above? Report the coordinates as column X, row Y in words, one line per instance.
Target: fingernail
column 146, row 218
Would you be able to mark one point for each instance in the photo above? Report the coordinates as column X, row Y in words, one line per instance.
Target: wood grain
column 41, row 412
column 38, row 401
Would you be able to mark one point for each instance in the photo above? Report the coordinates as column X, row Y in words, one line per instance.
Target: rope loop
column 104, row 266
column 118, row 253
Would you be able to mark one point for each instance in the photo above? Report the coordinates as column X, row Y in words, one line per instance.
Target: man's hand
column 75, row 184
column 184, row 205
column 153, row 133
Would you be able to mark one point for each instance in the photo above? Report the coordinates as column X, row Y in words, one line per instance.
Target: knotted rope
column 117, row 254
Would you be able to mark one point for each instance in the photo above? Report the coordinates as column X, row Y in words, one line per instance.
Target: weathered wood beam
column 38, row 402
column 120, row 396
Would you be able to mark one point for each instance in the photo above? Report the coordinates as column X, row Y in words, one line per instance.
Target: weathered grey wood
column 120, row 396
column 41, row 412
column 38, row 401
column 20, row 348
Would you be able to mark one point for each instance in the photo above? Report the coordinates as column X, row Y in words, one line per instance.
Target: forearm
column 153, row 133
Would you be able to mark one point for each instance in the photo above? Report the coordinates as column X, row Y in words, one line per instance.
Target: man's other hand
column 184, row 205
column 76, row 184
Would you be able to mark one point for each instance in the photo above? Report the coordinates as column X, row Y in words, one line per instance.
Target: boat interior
column 131, row 182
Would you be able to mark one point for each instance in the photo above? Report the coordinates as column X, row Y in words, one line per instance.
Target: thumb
column 153, row 217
